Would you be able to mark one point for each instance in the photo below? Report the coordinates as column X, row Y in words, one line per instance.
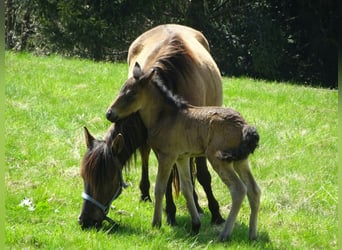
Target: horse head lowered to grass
column 187, row 68
column 220, row 134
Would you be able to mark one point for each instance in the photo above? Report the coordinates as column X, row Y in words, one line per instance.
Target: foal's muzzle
column 111, row 116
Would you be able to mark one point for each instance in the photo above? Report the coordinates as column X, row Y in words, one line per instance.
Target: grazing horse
column 220, row 134
column 102, row 165
column 196, row 78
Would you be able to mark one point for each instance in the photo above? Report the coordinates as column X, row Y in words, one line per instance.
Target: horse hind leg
column 253, row 194
column 144, row 181
column 187, row 190
column 204, row 178
column 192, row 171
column 237, row 190
column 170, row 205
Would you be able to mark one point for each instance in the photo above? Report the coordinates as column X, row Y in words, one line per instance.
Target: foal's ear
column 137, row 71
column 118, row 143
column 148, row 76
column 89, row 138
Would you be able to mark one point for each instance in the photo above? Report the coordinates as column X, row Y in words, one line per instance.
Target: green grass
column 50, row 99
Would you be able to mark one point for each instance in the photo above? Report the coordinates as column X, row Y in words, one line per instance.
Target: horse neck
column 135, row 134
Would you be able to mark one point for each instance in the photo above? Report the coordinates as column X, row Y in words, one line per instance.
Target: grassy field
column 50, row 99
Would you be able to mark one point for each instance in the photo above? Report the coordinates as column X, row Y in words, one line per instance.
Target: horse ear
column 89, row 138
column 118, row 143
column 137, row 71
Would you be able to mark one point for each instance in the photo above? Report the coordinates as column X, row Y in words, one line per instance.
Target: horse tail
column 249, row 142
column 175, row 181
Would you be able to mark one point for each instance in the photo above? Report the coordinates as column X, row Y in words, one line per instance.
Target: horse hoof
column 145, row 198
column 217, row 220
column 171, row 220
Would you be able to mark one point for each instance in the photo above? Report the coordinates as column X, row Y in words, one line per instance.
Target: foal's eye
column 129, row 92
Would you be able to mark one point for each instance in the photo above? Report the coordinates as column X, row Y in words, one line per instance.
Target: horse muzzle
column 88, row 222
column 112, row 116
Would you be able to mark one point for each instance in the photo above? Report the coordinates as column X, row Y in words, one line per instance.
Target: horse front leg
column 187, row 190
column 204, row 178
column 144, row 181
column 164, row 170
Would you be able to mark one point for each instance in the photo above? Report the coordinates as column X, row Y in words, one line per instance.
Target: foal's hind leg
column 204, row 178
column 253, row 194
column 237, row 190
column 144, row 181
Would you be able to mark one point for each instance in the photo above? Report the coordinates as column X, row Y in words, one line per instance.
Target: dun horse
column 178, row 130
column 186, row 70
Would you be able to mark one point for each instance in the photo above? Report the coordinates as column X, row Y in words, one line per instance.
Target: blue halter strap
column 105, row 208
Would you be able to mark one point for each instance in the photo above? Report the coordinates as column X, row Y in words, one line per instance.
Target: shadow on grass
column 208, row 234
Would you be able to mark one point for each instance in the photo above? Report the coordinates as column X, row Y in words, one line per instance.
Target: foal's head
column 131, row 97
column 101, row 171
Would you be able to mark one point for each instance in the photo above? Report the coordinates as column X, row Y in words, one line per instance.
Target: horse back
column 199, row 82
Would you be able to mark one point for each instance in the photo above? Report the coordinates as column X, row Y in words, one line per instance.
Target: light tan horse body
column 177, row 131
column 201, row 83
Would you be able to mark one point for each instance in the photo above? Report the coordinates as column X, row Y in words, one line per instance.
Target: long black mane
column 174, row 63
column 95, row 162
column 135, row 135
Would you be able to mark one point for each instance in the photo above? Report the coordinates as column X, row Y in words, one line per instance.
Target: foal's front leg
column 164, row 170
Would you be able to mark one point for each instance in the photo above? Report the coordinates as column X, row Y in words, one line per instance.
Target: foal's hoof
column 223, row 238
column 156, row 224
column 253, row 236
column 195, row 229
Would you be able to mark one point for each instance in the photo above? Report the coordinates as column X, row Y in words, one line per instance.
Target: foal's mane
column 170, row 98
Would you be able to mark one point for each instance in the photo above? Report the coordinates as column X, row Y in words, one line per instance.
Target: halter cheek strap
column 105, row 208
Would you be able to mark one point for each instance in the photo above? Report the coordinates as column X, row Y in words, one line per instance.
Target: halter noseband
column 105, row 208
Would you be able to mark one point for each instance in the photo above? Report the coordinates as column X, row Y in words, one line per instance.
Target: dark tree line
column 292, row 40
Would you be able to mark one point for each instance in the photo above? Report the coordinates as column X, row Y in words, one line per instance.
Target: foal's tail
column 250, row 139
column 249, row 142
